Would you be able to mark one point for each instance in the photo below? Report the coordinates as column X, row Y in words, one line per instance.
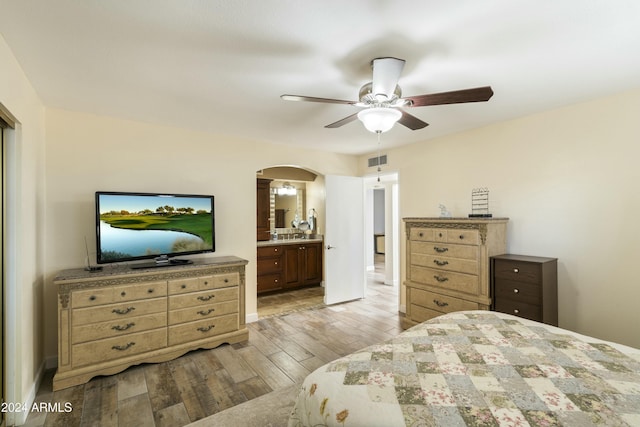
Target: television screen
column 132, row 226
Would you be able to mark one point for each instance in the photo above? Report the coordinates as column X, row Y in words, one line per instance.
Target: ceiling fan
column 381, row 99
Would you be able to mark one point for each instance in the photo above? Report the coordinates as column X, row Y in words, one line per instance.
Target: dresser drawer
column 202, row 312
column 181, row 286
column 202, row 329
column 442, row 303
column 115, row 348
column 517, row 270
column 202, row 298
column 528, row 293
column 421, row 234
column 117, row 328
column 445, row 263
column 82, row 316
column 445, row 249
column 521, row 309
column 108, row 295
column 467, row 283
column 420, row 314
column 463, row 237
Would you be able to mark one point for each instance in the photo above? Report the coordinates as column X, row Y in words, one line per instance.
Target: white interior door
column 344, row 252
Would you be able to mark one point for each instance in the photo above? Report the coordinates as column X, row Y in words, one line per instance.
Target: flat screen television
column 138, row 226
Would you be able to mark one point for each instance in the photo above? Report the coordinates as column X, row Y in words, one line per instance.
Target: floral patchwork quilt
column 476, row 368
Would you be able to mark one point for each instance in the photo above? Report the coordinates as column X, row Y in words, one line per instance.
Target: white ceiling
column 221, row 66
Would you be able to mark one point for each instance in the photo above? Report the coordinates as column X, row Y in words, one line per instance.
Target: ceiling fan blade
column 313, row 99
column 386, row 73
column 477, row 94
column 342, row 122
column 412, row 122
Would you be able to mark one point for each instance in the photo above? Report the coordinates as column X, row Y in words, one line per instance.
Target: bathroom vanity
column 289, row 264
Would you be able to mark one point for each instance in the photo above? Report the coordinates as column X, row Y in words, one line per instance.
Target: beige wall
column 24, row 351
column 86, row 153
column 569, row 180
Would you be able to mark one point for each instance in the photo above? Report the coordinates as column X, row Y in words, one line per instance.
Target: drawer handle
column 206, row 328
column 420, row 234
column 440, row 303
column 183, row 286
column 125, row 311
column 123, row 347
column 123, row 293
column 207, row 298
column 440, row 263
column 461, row 236
column 206, row 282
column 440, row 250
column 516, row 290
column 227, row 280
column 440, row 278
column 123, row 328
column 92, row 298
column 150, row 291
column 439, row 234
column 516, row 270
column 516, row 311
column 204, row 313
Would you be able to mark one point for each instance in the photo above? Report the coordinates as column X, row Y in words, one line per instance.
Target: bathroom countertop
column 288, row 241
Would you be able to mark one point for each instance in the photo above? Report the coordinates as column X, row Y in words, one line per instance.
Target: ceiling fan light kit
column 379, row 119
column 381, row 99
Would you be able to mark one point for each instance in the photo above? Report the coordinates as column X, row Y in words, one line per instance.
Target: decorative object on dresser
column 448, row 264
column 525, row 286
column 480, row 203
column 119, row 317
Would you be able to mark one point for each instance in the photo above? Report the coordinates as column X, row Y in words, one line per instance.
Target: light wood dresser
column 119, row 317
column 448, row 264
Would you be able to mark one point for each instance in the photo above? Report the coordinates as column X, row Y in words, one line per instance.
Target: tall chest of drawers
column 119, row 317
column 448, row 265
column 526, row 286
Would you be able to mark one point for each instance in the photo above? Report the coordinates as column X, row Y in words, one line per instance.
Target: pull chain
column 379, row 133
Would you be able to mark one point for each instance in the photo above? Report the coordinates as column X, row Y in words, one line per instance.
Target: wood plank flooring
column 281, row 351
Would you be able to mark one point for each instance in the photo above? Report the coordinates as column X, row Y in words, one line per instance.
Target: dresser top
column 455, row 219
column 112, row 270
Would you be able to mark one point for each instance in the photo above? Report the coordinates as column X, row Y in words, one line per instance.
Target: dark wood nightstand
column 526, row 286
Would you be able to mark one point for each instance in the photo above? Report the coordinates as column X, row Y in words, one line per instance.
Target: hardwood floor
column 281, row 350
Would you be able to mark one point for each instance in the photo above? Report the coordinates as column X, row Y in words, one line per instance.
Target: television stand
column 161, row 262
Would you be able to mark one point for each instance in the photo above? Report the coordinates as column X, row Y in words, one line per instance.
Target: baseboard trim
column 251, row 317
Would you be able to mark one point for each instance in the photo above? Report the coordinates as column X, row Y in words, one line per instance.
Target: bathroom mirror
column 285, row 205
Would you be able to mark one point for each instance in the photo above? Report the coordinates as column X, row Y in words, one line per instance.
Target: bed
column 476, row 368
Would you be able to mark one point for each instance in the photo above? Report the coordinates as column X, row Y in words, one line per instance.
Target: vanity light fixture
column 379, row 119
column 286, row 190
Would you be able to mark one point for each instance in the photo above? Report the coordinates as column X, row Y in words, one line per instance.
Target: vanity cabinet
column 263, row 209
column 270, row 263
column 302, row 264
column 289, row 265
column 448, row 265
column 119, row 317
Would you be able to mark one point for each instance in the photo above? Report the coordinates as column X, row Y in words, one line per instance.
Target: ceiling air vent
column 378, row 160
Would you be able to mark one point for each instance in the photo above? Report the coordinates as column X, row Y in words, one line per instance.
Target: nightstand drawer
column 528, row 311
column 517, row 270
column 518, row 291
